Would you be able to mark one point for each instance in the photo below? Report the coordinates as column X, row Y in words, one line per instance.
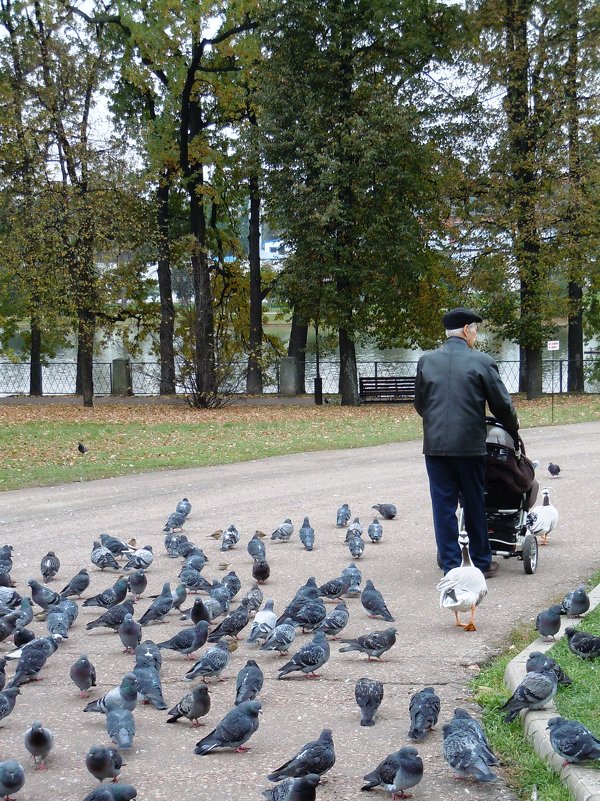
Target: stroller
column 511, row 491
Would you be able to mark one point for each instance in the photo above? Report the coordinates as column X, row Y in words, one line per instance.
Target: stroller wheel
column 530, row 554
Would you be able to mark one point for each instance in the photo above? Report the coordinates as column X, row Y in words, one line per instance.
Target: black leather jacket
column 453, row 385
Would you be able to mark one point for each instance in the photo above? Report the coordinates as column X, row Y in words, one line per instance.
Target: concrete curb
column 583, row 782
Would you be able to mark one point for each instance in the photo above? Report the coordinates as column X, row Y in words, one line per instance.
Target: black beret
column 457, row 318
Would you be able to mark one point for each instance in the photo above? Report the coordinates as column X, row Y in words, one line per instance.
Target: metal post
column 318, row 380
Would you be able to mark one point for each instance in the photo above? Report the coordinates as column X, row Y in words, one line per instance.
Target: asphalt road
column 258, row 495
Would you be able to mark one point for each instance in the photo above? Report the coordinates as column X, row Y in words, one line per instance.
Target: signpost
column 553, row 345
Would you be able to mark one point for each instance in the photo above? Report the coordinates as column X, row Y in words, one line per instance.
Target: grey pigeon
column 232, row 582
column 83, row 674
column 187, row 640
column 25, row 611
column 193, row 706
column 317, row 756
column 398, row 772
column 464, row 753
column 343, row 516
column 424, row 709
column 148, row 653
column 78, row 584
column 196, row 612
column 369, row 695
column 307, row 592
column 254, row 597
column 112, row 792
column 281, row 638
column 304, row 788
column 307, row 534
column 149, row 683
column 124, row 696
column 553, row 469
column 140, row 559
column 113, row 617
column 116, row 546
column 356, row 546
column 120, row 727
column 573, row 741
column 582, row 643
column 263, row 623
column 8, row 698
column 47, row 645
column 212, row 663
column 355, row 529
column 309, row 658
column 235, row 729
column 375, row 531
column 130, row 634
column 220, row 594
column 159, row 607
column 172, row 543
column 103, row 763
column 256, row 547
column 533, row 692
column 31, row 661
column 540, row 663
column 179, row 595
column 193, row 580
column 310, row 614
column 334, row 588
column 184, row 507
column 137, row 583
column 102, row 557
column 68, row 607
column 42, row 596
column 81, row 448
column 2, row 672
column 39, row 741
column 462, row 720
column 284, row 531
column 387, row 510
column 548, row 622
column 335, row 622
column 175, row 520
column 12, row 778
column 58, row 623
column 261, row 571
column 355, row 576
column 232, row 624
column 374, row 644
column 248, row 683
column 229, row 538
column 373, row 603
column 109, row 597
column 49, row 566
column 575, row 603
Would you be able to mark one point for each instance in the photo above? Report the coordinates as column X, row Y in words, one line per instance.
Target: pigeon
column 548, row 622
column 256, row 547
column 232, row 624
column 83, row 674
column 8, row 698
column 116, row 546
column 355, row 529
column 582, row 643
column 6, row 562
column 309, row 658
column 464, row 721
column 112, row 792
column 103, row 763
column 110, row 597
column 193, row 580
column 283, row 532
column 113, row 617
column 31, row 661
column 68, row 608
column 307, row 535
column 9, row 597
column 375, row 531
column 306, row 592
column 374, row 644
column 81, row 448
column 355, row 576
column 304, row 788
column 8, row 624
column 213, row 663
column 137, row 583
column 281, row 638
column 120, row 727
column 543, row 519
column 372, row 601
column 235, row 729
column 172, row 543
column 149, row 684
column 573, row 741
column 49, row 566
column 192, row 706
column 317, row 756
column 356, row 546
column 387, row 510
column 159, row 607
column 175, row 520
column 102, row 557
column 369, row 695
column 539, row 662
column 554, row 470
column 263, row 623
column 141, row 559
column 197, row 612
column 398, row 772
column 249, row 682
column 58, row 622
column 39, row 741
column 78, row 584
column 2, row 672
column 232, row 582
column 335, row 621
column 464, row 753
column 187, row 640
column 124, row 696
column 534, row 692
column 463, row 588
column 424, row 709
column 229, row 538
column 221, row 594
column 310, row 614
column 184, row 507
column 254, row 598
column 575, row 603
column 42, row 596
column 343, row 516
column 196, row 559
column 148, row 653
column 12, row 778
column 130, row 634
column 25, row 611
column 334, row 588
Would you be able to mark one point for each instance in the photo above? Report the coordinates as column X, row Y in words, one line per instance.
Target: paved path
column 430, row 650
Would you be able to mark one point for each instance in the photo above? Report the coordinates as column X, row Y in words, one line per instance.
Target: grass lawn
column 38, row 442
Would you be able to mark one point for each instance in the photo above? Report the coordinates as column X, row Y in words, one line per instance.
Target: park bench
column 399, row 389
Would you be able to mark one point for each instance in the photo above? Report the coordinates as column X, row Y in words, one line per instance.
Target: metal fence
column 59, row 378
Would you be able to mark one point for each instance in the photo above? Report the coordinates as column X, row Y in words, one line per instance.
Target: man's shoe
column 492, row 570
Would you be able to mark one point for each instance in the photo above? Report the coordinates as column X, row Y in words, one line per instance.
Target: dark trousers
column 449, row 476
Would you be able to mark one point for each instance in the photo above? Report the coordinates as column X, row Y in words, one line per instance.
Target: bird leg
column 544, row 539
column 458, row 623
column 241, row 749
column 312, row 675
column 402, row 794
column 470, row 626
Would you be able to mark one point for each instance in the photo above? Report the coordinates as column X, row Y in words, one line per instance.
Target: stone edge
column 583, row 782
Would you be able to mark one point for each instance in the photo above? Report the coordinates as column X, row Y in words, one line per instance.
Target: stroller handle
column 519, row 446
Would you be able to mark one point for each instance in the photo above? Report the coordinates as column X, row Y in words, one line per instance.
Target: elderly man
column 453, row 385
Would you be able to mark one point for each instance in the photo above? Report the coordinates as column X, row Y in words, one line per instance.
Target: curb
column 583, row 782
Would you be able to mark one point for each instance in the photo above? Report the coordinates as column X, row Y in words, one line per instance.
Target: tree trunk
column 534, row 373
column 167, row 309
column 575, row 372
column 35, row 358
column 204, row 346
column 522, row 368
column 297, row 348
column 348, row 374
column 86, row 321
column 254, row 382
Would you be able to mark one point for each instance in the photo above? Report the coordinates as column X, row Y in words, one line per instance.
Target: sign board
column 553, row 344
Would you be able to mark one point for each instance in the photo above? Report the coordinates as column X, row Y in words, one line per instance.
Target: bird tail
column 289, row 667
column 94, row 706
column 372, row 779
column 367, row 719
column 124, row 739
column 416, row 733
column 387, row 616
column 206, row 745
column 351, row 646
